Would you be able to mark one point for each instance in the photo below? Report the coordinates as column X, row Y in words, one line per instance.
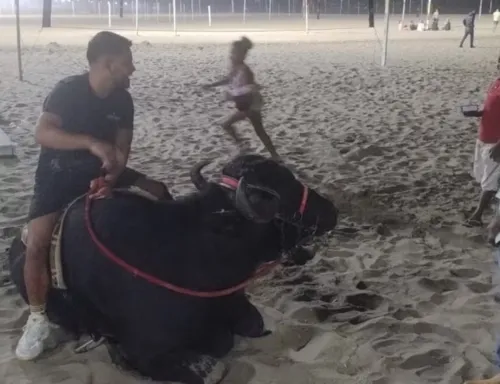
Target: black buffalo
column 206, row 241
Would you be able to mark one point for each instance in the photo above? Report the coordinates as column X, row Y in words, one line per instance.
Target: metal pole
column 157, row 11
column 209, row 17
column 341, row 3
column 386, row 34
column 99, row 8
column 18, row 38
column 480, row 9
column 421, row 8
column 289, row 9
column 270, row 5
column 232, row 6
column 244, row 11
column 491, row 6
column 175, row 16
column 358, row 7
column 73, row 7
column 109, row 14
column 137, row 17
column 403, row 13
column 192, row 9
column 307, row 16
column 429, row 5
column 409, row 8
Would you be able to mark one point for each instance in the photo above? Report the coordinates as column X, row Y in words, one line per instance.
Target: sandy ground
column 388, row 145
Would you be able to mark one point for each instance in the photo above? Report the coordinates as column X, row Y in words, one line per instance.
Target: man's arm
column 125, row 133
column 123, row 142
column 49, row 131
column 49, row 134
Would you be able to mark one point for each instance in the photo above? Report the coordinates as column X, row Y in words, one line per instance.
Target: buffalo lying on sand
column 206, row 241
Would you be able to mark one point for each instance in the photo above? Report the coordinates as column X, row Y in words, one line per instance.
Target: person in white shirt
column 435, row 15
column 496, row 18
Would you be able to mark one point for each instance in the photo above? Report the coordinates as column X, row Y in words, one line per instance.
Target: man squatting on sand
column 86, row 126
column 487, row 154
column 245, row 94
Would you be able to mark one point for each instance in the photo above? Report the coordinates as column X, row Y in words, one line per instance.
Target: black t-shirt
column 82, row 112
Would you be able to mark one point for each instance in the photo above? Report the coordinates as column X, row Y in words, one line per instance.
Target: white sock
column 37, row 309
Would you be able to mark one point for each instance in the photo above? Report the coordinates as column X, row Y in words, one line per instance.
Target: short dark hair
column 106, row 43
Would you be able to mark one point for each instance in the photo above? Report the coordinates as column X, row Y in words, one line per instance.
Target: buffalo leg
column 182, row 366
column 245, row 320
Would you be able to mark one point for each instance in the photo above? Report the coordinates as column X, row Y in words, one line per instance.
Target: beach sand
column 406, row 298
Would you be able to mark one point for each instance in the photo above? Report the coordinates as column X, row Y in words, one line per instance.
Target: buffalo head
column 264, row 189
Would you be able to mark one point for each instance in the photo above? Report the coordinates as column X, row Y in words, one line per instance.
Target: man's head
column 110, row 54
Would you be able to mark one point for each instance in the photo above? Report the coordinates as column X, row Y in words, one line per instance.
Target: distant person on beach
column 496, row 18
column 85, row 128
column 421, row 26
column 487, row 154
column 413, row 26
column 447, row 25
column 244, row 92
column 469, row 25
column 435, row 15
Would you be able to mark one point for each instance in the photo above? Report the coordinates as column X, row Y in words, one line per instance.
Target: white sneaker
column 32, row 342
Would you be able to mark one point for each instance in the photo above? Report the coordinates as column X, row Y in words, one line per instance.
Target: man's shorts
column 486, row 170
column 54, row 191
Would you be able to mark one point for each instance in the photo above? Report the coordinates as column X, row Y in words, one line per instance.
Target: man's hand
column 495, row 152
column 108, row 156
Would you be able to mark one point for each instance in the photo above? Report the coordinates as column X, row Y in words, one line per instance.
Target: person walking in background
column 469, row 24
column 496, row 18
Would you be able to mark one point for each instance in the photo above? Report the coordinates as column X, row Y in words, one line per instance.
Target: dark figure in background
column 469, row 28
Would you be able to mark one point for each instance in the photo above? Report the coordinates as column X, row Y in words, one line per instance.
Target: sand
column 406, row 297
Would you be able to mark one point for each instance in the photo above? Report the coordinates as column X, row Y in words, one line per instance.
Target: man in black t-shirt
column 86, row 126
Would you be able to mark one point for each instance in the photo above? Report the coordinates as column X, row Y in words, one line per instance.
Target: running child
column 244, row 92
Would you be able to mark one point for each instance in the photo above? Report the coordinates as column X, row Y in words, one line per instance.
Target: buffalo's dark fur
column 200, row 242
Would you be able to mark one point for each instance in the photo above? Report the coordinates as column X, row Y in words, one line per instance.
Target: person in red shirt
column 487, row 153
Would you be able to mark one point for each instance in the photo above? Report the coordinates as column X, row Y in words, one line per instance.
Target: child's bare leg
column 255, row 118
column 228, row 125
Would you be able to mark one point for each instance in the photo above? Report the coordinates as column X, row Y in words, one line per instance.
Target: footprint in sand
column 438, row 285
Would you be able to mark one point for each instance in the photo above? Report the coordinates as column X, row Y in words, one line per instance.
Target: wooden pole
column 18, row 38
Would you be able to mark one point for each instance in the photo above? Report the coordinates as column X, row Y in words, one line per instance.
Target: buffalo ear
column 258, row 204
